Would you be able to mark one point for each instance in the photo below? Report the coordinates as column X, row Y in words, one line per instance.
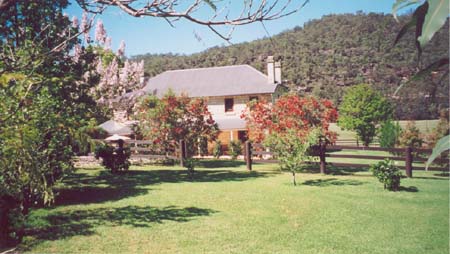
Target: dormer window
column 229, row 104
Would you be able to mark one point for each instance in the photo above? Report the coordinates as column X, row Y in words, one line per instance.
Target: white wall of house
column 216, row 105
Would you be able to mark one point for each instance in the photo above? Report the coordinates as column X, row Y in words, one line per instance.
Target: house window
column 242, row 136
column 229, row 103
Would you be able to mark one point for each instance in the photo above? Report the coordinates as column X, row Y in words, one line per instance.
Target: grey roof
column 230, row 123
column 215, row 81
column 113, row 127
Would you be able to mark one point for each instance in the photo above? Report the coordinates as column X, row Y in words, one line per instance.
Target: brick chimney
column 278, row 72
column 270, row 70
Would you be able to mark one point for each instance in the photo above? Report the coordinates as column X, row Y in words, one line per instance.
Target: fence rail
column 357, row 142
column 410, row 155
column 144, row 152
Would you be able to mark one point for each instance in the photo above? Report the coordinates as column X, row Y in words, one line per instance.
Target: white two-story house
column 227, row 90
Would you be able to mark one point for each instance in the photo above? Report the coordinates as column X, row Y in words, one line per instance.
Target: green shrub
column 203, row 146
column 235, row 149
column 115, row 159
column 441, row 130
column 189, row 164
column 411, row 136
column 290, row 150
column 388, row 174
column 166, row 162
column 217, row 149
column 389, row 134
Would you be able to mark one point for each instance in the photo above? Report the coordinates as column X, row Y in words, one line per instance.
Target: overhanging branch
column 214, row 13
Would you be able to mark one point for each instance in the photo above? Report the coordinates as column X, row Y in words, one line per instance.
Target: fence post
column 408, row 161
column 248, row 154
column 182, row 147
column 323, row 163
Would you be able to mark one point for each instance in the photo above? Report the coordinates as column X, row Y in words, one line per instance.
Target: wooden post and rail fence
column 139, row 152
column 410, row 155
column 257, row 152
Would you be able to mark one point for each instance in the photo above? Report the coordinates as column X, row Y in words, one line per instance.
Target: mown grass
column 226, row 209
column 373, row 161
column 424, row 126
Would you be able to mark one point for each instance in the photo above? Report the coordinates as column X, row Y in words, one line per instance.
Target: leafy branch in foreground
column 428, row 18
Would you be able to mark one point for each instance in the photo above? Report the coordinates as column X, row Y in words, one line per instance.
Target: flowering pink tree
column 49, row 93
column 116, row 76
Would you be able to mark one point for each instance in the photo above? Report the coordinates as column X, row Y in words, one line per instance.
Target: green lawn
column 226, row 209
column 424, row 126
column 373, row 161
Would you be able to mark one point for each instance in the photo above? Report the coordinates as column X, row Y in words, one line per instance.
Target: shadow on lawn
column 219, row 163
column 435, row 177
column 331, row 182
column 67, row 224
column 90, row 194
column 143, row 178
column 408, row 189
column 81, row 188
column 332, row 170
column 443, row 174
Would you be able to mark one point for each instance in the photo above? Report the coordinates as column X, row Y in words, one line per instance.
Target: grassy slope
column 230, row 210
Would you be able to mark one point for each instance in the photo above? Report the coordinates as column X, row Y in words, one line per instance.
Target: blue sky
column 155, row 35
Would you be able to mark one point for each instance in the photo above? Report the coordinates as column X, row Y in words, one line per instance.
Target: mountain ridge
column 327, row 55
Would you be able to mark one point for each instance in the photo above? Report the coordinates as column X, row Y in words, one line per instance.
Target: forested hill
column 329, row 54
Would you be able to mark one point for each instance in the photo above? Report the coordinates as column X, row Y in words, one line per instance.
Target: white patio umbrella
column 116, row 137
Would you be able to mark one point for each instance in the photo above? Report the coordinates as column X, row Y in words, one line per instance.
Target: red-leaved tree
column 290, row 112
column 290, row 127
column 167, row 120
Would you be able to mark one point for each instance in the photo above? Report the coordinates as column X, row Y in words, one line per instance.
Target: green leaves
column 361, row 109
column 388, row 174
column 435, row 18
column 428, row 19
column 442, row 145
column 417, row 20
column 400, row 4
column 211, row 4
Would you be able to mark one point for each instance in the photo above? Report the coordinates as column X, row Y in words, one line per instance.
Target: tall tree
column 44, row 101
column 361, row 110
column 48, row 81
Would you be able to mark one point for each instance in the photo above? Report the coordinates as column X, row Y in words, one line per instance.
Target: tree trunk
column 293, row 178
column 4, row 226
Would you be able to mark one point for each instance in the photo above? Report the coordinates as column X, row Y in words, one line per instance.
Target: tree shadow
column 333, row 170
column 90, row 194
column 83, row 222
column 331, row 182
column 151, row 177
column 431, row 178
column 345, row 170
column 83, row 188
column 220, row 163
column 408, row 189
